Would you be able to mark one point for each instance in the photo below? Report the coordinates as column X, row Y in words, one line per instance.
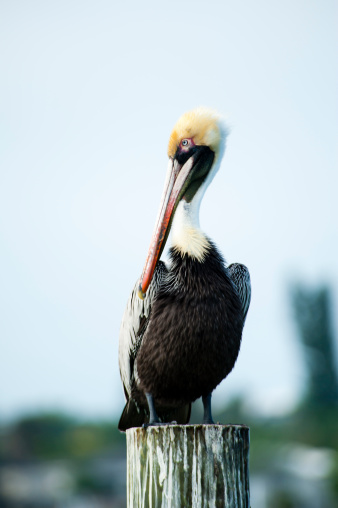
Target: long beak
column 176, row 180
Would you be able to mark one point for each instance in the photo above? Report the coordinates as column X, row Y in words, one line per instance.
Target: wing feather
column 134, row 324
column 240, row 276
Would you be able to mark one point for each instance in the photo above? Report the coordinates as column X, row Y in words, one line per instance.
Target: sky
column 89, row 93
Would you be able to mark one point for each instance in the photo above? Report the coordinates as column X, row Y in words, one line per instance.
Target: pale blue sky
column 89, row 93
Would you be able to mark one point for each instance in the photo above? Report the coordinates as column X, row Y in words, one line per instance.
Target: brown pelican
column 182, row 327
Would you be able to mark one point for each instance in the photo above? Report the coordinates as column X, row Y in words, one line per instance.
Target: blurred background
column 89, row 93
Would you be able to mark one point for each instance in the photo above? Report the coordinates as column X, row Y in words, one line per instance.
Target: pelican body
column 181, row 331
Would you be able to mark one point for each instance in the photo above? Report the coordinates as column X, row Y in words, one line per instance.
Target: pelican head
column 202, row 126
column 195, row 150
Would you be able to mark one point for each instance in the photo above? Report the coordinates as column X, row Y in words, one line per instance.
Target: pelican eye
column 185, row 142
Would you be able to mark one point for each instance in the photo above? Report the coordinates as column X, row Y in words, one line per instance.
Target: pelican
column 182, row 327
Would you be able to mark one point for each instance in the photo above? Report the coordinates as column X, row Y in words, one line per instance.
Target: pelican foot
column 208, row 421
column 155, row 424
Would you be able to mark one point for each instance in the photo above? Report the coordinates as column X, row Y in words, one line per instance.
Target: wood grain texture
column 192, row 466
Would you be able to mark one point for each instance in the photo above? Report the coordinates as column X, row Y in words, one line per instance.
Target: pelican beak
column 179, row 177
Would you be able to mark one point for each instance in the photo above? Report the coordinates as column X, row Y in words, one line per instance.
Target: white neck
column 187, row 238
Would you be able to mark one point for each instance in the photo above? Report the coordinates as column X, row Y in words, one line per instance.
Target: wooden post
column 188, row 466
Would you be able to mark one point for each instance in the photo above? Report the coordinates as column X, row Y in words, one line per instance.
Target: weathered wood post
column 188, row 466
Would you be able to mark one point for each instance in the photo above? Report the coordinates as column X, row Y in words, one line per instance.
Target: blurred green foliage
column 57, row 436
column 313, row 313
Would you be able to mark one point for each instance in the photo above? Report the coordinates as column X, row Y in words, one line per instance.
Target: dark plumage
column 191, row 339
column 194, row 332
